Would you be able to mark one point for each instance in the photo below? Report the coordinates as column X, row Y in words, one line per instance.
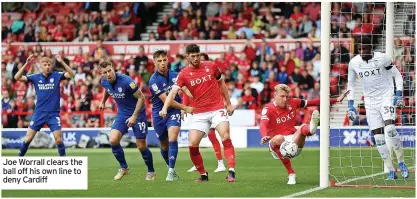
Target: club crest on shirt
column 207, row 69
column 155, row 87
column 174, row 80
column 120, row 89
column 132, row 85
column 52, row 80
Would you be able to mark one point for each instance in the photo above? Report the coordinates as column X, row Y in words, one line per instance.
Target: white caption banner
column 44, row 173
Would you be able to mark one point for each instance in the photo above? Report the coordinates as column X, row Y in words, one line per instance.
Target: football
column 288, row 149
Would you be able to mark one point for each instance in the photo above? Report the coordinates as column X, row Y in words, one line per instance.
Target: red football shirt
column 203, row 85
column 279, row 121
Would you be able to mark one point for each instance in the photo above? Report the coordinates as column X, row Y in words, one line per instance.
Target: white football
column 288, row 149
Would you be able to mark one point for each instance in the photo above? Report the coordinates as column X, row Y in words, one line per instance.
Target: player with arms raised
column 166, row 129
column 209, row 92
column 278, row 121
column 48, row 96
column 130, row 113
column 376, row 73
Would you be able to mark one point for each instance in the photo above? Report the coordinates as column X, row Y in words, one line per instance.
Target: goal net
column 354, row 161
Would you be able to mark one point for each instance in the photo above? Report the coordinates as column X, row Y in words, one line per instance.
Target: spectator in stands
column 248, row 101
column 31, row 6
column 263, row 50
column 5, row 102
column 18, row 25
column 315, row 92
column 126, row 16
column 340, row 54
column 247, row 29
column 306, row 81
column 283, row 75
column 99, row 52
column 310, row 51
column 256, row 84
column 164, row 26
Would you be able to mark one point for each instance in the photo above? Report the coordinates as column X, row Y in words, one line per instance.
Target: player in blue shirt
column 166, row 129
column 48, row 96
column 130, row 113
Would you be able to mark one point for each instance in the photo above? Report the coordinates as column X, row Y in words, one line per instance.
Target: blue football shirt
column 122, row 91
column 159, row 83
column 47, row 89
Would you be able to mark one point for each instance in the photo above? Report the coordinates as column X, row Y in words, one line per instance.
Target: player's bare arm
column 398, row 100
column 187, row 92
column 139, row 104
column 226, row 97
column 103, row 101
column 168, row 101
column 19, row 75
column 176, row 105
column 68, row 70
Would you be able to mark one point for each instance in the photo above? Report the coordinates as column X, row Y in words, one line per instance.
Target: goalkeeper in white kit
column 376, row 73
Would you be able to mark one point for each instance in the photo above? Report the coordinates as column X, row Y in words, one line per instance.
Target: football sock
column 165, row 155
column 394, row 141
column 286, row 162
column 173, row 152
column 197, row 159
column 305, row 130
column 147, row 157
column 23, row 148
column 119, row 155
column 383, row 151
column 216, row 144
column 61, row 149
column 229, row 153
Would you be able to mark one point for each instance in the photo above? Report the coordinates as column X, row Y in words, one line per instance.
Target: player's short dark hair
column 104, row 64
column 192, row 48
column 158, row 53
column 206, row 57
column 363, row 40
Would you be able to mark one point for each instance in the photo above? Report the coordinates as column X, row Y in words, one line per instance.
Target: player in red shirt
column 212, row 133
column 203, row 79
column 278, row 122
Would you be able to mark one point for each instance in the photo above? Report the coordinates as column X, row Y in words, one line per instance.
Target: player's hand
column 58, row 58
column 230, row 109
column 352, row 113
column 342, row 97
column 131, row 121
column 189, row 109
column 101, row 106
column 29, row 59
column 265, row 139
column 398, row 99
column 163, row 113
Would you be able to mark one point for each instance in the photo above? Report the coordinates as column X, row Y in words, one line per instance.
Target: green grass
column 258, row 175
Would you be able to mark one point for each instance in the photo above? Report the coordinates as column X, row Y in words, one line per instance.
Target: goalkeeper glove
column 352, row 111
column 398, row 99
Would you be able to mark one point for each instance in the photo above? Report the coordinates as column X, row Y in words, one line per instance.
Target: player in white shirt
column 376, row 72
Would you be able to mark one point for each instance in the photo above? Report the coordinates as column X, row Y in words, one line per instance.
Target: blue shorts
column 140, row 129
column 161, row 125
column 39, row 118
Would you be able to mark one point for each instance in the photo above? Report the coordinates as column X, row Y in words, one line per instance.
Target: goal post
column 348, row 157
column 325, row 96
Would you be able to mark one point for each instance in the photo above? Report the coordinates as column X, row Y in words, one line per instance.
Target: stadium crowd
column 250, row 77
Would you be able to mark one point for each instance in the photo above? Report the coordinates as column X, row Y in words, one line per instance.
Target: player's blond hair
column 45, row 60
column 282, row 87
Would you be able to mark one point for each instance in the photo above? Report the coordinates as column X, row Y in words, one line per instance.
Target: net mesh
column 353, row 161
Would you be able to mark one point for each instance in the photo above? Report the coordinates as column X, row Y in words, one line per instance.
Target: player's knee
column 390, row 131
column 58, row 140
column 225, row 136
column 114, row 141
column 277, row 140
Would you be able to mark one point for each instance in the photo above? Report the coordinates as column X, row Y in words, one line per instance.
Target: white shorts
column 205, row 121
column 378, row 111
column 275, row 155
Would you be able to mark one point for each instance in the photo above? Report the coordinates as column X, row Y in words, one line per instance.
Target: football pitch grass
column 257, row 175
